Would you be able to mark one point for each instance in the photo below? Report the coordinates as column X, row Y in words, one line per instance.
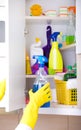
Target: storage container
column 64, row 95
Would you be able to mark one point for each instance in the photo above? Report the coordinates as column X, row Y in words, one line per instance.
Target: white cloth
column 23, row 127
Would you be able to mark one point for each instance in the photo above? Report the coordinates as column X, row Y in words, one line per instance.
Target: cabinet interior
column 16, row 24
column 37, row 28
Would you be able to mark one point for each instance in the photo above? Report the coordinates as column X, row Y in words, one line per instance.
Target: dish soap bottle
column 41, row 78
column 69, row 74
column 55, row 57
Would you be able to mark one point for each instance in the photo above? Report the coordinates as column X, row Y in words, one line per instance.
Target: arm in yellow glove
column 37, row 99
column 2, row 88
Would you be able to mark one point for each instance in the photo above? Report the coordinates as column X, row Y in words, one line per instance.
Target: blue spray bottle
column 41, row 78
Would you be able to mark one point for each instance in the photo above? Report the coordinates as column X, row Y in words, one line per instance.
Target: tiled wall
column 45, row 122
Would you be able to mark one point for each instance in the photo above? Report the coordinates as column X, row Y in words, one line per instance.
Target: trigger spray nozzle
column 55, row 35
column 41, row 60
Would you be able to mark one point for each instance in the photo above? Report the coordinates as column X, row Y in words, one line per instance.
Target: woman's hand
column 41, row 96
column 37, row 99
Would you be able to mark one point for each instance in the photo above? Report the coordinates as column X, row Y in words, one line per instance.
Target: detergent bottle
column 35, row 49
column 55, row 57
column 28, row 66
column 40, row 80
column 70, row 34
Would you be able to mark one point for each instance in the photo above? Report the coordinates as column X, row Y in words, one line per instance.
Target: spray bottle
column 41, row 78
column 55, row 57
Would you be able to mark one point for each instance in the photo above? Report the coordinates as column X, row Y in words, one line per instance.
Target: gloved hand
column 2, row 88
column 37, row 99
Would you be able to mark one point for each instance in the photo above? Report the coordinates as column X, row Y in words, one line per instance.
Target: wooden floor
column 9, row 121
column 58, row 123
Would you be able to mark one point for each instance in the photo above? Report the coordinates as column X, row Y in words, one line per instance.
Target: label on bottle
column 37, row 86
column 69, row 76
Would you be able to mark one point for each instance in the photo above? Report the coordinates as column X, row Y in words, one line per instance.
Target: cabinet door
column 78, row 48
column 15, row 58
column 78, row 27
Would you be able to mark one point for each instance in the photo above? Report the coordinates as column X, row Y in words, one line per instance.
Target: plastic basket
column 64, row 95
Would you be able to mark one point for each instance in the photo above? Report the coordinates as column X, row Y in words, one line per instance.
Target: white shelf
column 34, row 76
column 55, row 19
column 68, row 47
column 58, row 109
column 47, row 76
column 46, row 18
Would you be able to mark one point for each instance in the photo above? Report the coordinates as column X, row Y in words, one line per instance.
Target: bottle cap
column 69, row 67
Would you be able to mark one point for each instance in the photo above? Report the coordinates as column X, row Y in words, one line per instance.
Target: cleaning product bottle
column 55, row 57
column 41, row 78
column 35, row 49
column 28, row 66
column 70, row 34
column 69, row 74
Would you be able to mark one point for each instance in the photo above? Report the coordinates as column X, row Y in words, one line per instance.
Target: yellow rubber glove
column 37, row 99
column 2, row 88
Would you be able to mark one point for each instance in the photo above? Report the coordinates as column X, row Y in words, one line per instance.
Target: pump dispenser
column 55, row 57
column 40, row 78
